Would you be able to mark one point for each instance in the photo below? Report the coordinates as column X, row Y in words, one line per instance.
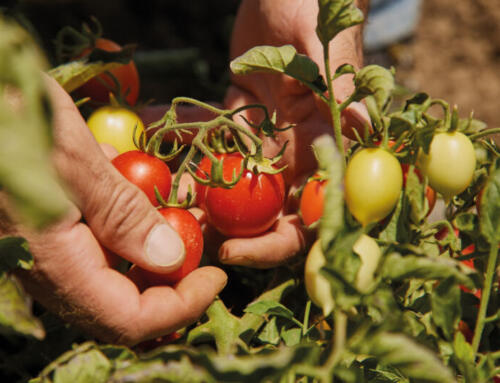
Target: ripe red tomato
column 204, row 171
column 190, row 231
column 312, row 201
column 145, row 172
column 127, row 76
column 250, row 207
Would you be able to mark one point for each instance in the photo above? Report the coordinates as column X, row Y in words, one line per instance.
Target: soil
column 455, row 55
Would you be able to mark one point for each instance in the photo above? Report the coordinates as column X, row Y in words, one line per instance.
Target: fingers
column 71, row 278
column 285, row 240
column 118, row 213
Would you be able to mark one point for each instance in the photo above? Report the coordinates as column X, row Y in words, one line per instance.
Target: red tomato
column 312, row 201
column 463, row 327
column 190, row 231
column 204, row 171
column 250, row 207
column 145, row 172
column 127, row 76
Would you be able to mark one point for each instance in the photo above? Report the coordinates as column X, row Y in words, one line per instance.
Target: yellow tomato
column 115, row 126
column 373, row 183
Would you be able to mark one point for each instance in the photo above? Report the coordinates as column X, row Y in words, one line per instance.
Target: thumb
column 118, row 213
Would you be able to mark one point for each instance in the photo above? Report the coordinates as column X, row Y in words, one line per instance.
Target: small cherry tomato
column 373, row 183
column 312, row 201
column 250, row 207
column 450, row 164
column 146, row 172
column 126, row 75
column 190, row 232
column 115, row 126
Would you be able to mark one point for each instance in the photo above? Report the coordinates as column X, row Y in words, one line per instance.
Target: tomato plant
column 430, row 194
column 98, row 88
column 373, row 183
column 250, row 207
column 115, row 126
column 146, row 172
column 450, row 163
column 312, row 201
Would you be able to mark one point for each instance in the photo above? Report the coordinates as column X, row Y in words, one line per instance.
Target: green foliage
column 334, row 17
column 25, row 136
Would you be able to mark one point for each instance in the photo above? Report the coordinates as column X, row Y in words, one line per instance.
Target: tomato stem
column 484, row 133
column 306, row 317
column 485, row 297
column 339, row 340
column 201, row 104
column 334, row 107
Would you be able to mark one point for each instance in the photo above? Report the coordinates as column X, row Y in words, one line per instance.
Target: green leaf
column 271, row 308
column 416, row 193
column 446, row 307
column 330, row 161
column 15, row 311
column 14, row 253
column 291, row 336
column 270, row 334
column 376, row 81
column 397, row 267
column 490, row 206
column 74, row 74
column 90, row 366
column 285, row 60
column 397, row 229
column 334, row 16
column 26, row 171
column 409, row 357
column 344, row 69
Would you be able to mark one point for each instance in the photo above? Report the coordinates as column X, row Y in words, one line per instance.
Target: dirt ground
column 455, row 55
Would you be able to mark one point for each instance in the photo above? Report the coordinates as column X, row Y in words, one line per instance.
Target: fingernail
column 164, row 247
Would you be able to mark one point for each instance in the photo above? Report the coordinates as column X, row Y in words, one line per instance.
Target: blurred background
column 453, row 51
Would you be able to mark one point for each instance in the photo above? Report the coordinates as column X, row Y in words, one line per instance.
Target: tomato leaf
column 397, row 229
column 415, row 192
column 270, row 308
column 26, row 172
column 285, row 60
column 397, row 267
column 335, row 16
column 15, row 311
column 14, row 253
column 270, row 333
column 89, row 366
column 410, row 358
column 446, row 308
column 490, row 207
column 376, row 81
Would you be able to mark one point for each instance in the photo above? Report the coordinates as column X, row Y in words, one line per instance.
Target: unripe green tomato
column 373, row 183
column 369, row 253
column 450, row 163
column 317, row 286
column 115, row 126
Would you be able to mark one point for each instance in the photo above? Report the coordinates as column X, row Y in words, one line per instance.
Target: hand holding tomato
column 73, row 273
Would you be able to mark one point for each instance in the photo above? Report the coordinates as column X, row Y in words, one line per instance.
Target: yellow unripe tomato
column 317, row 286
column 369, row 253
column 115, row 126
column 450, row 163
column 373, row 183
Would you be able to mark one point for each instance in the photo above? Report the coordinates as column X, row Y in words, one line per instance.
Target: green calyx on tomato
column 117, row 126
column 450, row 163
column 373, row 184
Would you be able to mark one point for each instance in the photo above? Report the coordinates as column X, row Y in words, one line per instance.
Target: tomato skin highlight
column 450, row 164
column 373, row 184
column 126, row 74
column 312, row 201
column 115, row 126
column 145, row 172
column 249, row 208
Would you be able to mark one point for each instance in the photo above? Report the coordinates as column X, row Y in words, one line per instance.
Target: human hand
column 73, row 274
column 276, row 23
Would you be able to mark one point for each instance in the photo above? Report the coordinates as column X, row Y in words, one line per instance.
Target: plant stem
column 339, row 340
column 332, row 103
column 484, row 133
column 481, row 318
column 201, row 104
column 306, row 317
